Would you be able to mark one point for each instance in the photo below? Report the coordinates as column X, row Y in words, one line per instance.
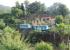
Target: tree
column 23, row 9
column 17, row 12
column 22, row 6
column 58, row 9
column 26, row 3
column 36, row 8
column 17, row 5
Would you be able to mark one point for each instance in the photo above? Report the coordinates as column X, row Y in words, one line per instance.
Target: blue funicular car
column 25, row 26
column 40, row 27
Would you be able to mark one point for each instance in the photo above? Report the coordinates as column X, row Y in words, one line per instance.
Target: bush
column 43, row 46
column 11, row 40
column 2, row 47
column 62, row 46
column 59, row 19
column 2, row 24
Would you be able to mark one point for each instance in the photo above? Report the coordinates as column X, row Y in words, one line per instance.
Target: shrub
column 2, row 47
column 43, row 46
column 62, row 46
column 2, row 24
column 59, row 19
column 11, row 40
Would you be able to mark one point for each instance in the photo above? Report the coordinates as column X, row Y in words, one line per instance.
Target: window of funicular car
column 40, row 27
column 23, row 26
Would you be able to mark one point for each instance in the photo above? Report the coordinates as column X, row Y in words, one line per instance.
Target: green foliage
column 43, row 46
column 62, row 46
column 2, row 24
column 67, row 20
column 17, row 12
column 58, row 9
column 9, row 30
column 11, row 40
column 63, row 28
column 36, row 8
column 9, row 20
column 67, row 29
column 2, row 47
column 60, row 26
column 22, row 6
column 59, row 19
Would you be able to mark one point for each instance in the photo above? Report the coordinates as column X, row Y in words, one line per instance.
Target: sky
column 46, row 2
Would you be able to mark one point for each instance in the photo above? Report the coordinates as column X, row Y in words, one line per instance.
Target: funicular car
column 40, row 27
